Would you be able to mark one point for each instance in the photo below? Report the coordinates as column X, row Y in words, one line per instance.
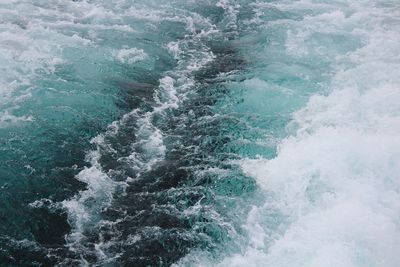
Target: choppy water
column 200, row 133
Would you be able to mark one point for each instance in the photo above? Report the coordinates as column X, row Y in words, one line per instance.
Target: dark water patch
column 49, row 226
column 143, row 90
column 40, row 161
column 23, row 253
column 172, row 208
column 42, row 227
column 227, row 60
column 135, row 94
column 137, row 84
column 167, row 210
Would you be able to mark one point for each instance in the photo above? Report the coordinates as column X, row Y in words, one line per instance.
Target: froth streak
column 332, row 191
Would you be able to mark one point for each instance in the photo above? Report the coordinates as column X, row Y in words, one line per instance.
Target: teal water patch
column 263, row 97
column 322, row 98
column 215, row 133
column 89, row 63
column 66, row 80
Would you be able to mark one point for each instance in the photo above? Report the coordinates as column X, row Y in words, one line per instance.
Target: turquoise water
column 199, row 133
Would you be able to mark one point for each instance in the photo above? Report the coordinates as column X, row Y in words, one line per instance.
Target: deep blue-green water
column 200, row 133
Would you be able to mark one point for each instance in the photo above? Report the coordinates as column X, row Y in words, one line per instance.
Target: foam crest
column 146, row 146
column 332, row 192
column 7, row 119
column 38, row 38
column 130, row 55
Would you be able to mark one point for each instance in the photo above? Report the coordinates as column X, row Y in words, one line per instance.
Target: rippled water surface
column 200, row 133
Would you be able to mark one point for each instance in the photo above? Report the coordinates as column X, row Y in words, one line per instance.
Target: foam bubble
column 7, row 119
column 147, row 148
column 130, row 55
column 332, row 193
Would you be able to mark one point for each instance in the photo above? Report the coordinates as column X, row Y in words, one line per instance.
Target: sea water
column 199, row 133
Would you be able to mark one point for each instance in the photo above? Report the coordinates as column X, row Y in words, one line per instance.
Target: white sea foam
column 148, row 146
column 35, row 38
column 84, row 208
column 130, row 55
column 7, row 119
column 332, row 193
